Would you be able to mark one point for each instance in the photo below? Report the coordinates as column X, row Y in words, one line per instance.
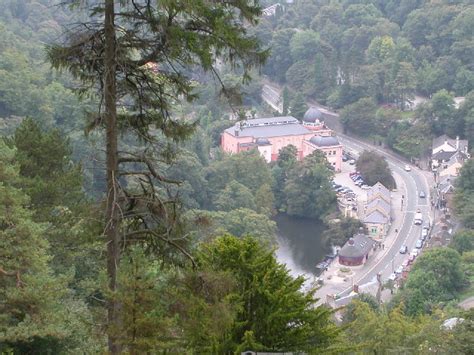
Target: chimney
column 457, row 142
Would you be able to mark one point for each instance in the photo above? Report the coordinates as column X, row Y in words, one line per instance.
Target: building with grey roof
column 378, row 191
column 448, row 154
column 270, row 135
column 377, row 217
column 356, row 251
column 312, row 115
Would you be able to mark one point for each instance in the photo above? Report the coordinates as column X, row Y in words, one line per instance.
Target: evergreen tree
column 274, row 313
column 298, row 106
column 37, row 311
column 143, row 48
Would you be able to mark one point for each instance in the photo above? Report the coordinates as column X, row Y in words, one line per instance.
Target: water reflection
column 300, row 244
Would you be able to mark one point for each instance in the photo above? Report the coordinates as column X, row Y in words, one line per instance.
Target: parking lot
column 347, row 188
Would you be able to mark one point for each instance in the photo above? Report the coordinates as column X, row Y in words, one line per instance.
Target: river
column 300, row 244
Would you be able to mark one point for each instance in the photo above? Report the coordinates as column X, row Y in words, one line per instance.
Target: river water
column 300, row 244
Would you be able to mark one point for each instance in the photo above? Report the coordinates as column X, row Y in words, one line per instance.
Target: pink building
column 329, row 145
column 313, row 120
column 269, row 135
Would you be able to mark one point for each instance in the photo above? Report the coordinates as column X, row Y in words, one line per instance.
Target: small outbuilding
column 356, row 251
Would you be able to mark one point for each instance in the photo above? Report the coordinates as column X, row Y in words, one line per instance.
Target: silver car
column 419, row 244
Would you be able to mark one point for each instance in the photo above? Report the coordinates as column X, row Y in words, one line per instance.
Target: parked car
column 352, row 162
column 403, row 249
column 419, row 244
column 424, row 233
column 426, row 225
column 399, row 270
column 405, row 263
column 392, row 277
column 415, row 252
column 407, row 168
column 411, row 258
column 422, row 194
column 365, row 187
column 345, row 158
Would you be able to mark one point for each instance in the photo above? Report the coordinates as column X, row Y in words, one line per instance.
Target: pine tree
column 137, row 58
column 37, row 312
column 274, row 314
column 298, row 106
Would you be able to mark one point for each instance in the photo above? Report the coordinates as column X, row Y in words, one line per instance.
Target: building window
column 334, row 164
column 334, row 152
column 373, row 230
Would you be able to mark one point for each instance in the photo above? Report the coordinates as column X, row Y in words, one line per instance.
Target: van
column 418, row 218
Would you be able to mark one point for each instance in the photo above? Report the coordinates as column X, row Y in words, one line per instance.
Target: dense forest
column 371, row 58
column 194, row 270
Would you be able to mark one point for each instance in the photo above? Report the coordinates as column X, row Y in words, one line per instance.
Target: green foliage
column 51, row 179
column 374, row 168
column 269, row 300
column 145, row 305
column 463, row 241
column 381, row 331
column 359, row 117
column 235, row 196
column 436, row 276
column 439, row 113
column 287, row 159
column 464, row 196
column 340, row 231
column 239, row 222
column 412, row 141
column 308, row 188
column 248, row 168
column 349, row 310
column 38, row 311
column 298, row 106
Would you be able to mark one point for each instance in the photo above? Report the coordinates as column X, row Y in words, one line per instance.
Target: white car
column 405, row 263
column 399, row 270
column 392, row 277
column 407, row 168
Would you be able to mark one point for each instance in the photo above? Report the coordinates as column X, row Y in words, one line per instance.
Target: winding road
column 414, row 182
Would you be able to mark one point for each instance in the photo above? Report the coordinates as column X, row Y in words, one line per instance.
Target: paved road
column 414, row 181
column 408, row 233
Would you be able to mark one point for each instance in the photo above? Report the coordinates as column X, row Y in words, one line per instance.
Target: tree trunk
column 112, row 222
